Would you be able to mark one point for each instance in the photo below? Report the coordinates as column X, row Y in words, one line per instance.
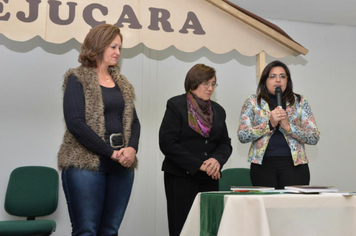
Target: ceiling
column 342, row 12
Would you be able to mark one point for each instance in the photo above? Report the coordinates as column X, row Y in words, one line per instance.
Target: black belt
column 115, row 140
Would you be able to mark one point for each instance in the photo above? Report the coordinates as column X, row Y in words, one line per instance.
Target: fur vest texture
column 71, row 152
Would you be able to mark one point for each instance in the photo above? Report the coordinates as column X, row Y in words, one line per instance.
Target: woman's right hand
column 277, row 115
column 115, row 156
column 211, row 167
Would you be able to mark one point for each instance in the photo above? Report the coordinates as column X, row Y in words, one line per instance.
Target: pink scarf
column 200, row 115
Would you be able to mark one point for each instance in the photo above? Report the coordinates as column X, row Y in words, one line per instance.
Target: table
column 272, row 215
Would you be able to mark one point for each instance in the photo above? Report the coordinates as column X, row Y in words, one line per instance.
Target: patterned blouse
column 254, row 127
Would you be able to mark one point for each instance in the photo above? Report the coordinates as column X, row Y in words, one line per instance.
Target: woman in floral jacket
column 278, row 134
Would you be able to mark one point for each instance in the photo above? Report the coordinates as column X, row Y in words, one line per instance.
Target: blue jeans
column 96, row 200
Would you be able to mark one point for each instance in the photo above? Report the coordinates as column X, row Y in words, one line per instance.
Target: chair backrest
column 32, row 191
column 234, row 177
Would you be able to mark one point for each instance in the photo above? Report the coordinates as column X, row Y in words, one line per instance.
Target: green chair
column 234, row 177
column 32, row 192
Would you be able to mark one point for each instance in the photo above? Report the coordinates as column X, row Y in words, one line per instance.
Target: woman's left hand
column 282, row 118
column 212, row 168
column 284, row 123
column 126, row 156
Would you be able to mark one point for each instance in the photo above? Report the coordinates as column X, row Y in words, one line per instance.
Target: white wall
column 31, row 120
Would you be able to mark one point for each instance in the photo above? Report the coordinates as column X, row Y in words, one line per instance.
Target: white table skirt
column 281, row 215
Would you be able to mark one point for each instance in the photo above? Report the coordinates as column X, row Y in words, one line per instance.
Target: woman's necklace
column 106, row 77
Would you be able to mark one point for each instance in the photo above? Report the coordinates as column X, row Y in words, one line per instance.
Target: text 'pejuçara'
column 126, row 15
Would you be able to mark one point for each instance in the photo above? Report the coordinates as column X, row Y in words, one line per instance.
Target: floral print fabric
column 254, row 127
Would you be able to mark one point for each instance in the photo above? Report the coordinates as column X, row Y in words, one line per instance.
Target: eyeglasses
column 281, row 76
column 207, row 85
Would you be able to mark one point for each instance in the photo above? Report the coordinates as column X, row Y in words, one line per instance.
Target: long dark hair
column 262, row 92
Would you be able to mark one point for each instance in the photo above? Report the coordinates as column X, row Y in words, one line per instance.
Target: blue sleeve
column 74, row 116
column 135, row 132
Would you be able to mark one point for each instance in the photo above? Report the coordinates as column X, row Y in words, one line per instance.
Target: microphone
column 278, row 93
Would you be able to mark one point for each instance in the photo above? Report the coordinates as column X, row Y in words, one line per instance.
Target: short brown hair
column 95, row 43
column 198, row 74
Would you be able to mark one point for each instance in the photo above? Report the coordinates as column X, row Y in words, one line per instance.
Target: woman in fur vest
column 98, row 153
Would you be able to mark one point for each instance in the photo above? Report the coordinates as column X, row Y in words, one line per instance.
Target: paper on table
column 340, row 193
column 311, row 188
column 251, row 188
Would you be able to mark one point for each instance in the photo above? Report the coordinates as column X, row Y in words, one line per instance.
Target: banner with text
column 186, row 24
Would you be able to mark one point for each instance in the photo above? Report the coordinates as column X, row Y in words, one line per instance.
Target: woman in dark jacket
column 195, row 141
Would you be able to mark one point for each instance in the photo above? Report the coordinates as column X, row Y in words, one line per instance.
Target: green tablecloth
column 211, row 209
